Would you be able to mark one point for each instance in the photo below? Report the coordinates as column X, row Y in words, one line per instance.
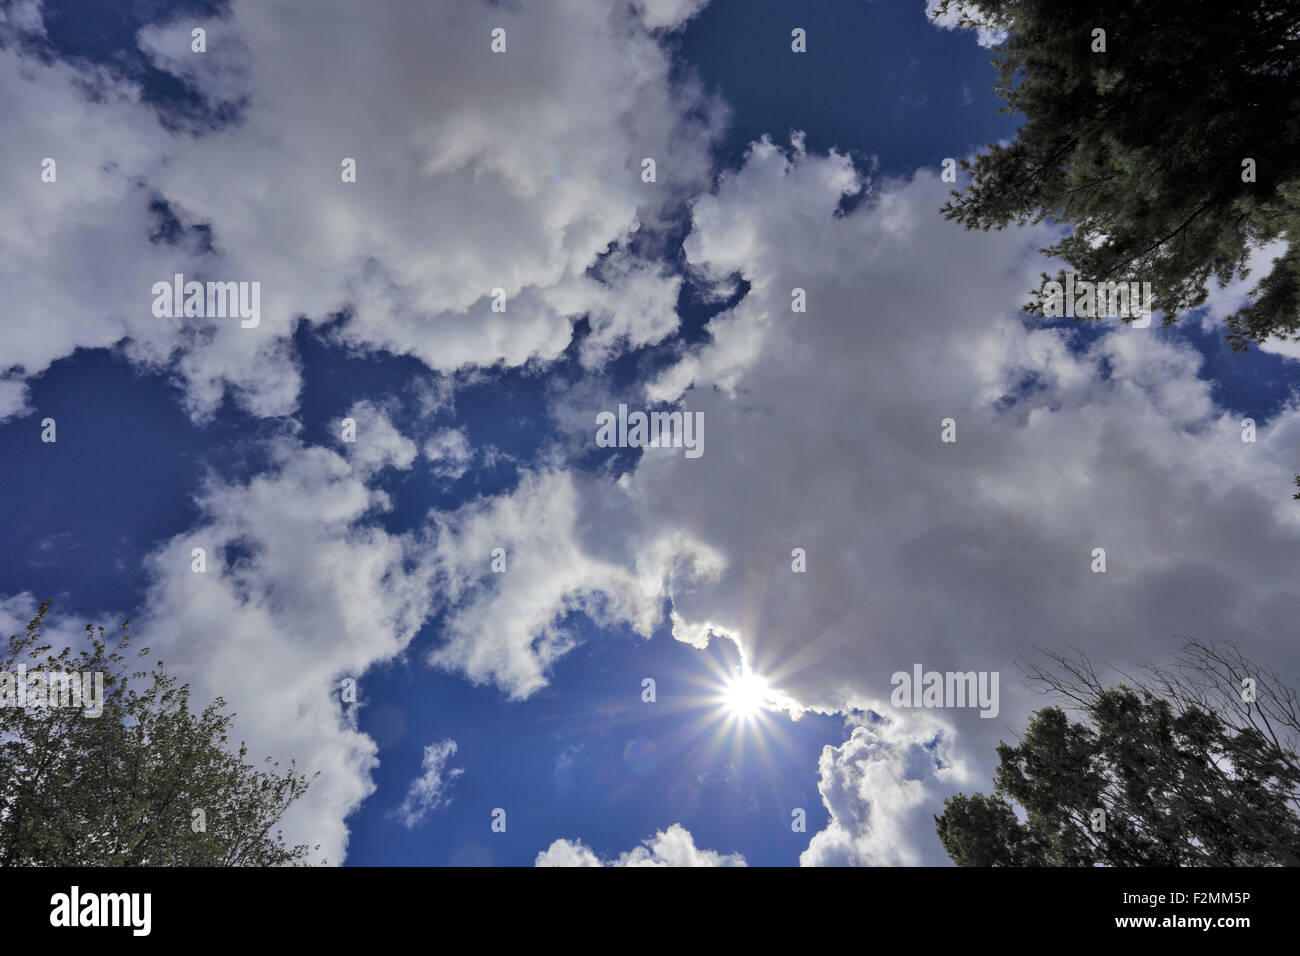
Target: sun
column 744, row 694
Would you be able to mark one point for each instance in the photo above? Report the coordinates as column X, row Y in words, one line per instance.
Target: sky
column 501, row 714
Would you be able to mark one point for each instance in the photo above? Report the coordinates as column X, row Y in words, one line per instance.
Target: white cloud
column 23, row 17
column 302, row 589
column 881, row 787
column 13, row 397
column 1223, row 301
column 450, row 453
column 631, row 305
column 505, row 628
column 70, row 275
column 221, row 74
column 429, row 791
column 509, row 171
column 567, row 853
column 377, row 443
column 986, row 34
column 668, row 14
column 476, row 171
column 60, row 630
column 672, row 847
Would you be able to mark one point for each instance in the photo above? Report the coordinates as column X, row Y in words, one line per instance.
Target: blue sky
column 162, row 441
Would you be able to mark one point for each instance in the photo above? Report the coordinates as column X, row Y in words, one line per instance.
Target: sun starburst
column 744, row 695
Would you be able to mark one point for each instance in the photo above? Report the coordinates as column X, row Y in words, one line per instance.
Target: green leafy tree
column 1141, row 148
column 121, row 789
column 1188, row 767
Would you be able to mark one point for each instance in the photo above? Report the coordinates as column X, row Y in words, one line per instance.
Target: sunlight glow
column 744, row 695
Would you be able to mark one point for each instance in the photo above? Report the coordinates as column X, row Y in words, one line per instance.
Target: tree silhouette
column 1172, row 153
column 1190, row 766
column 145, row 783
